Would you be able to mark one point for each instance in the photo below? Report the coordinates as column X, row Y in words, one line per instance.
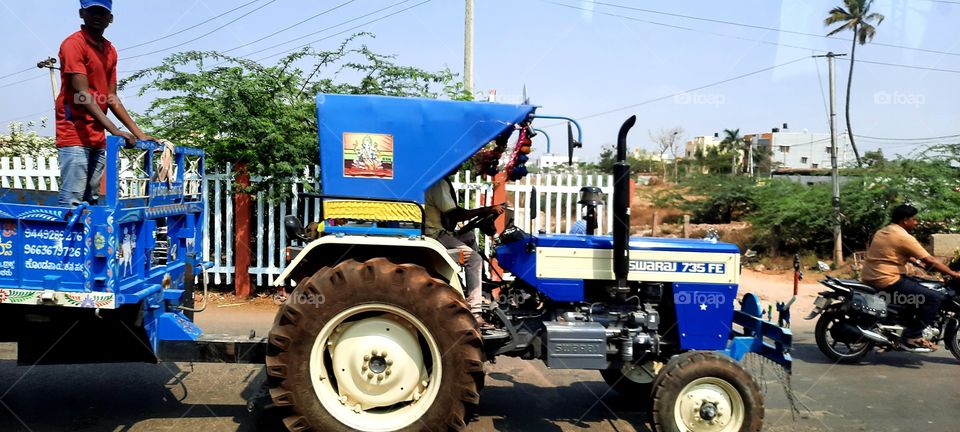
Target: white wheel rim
column 355, row 400
column 692, row 410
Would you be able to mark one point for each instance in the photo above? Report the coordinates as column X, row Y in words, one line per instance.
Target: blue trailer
column 105, row 282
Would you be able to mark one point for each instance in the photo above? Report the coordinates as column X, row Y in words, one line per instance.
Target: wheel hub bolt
column 708, row 411
column 378, row 364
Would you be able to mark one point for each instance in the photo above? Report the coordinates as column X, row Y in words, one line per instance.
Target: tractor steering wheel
column 485, row 223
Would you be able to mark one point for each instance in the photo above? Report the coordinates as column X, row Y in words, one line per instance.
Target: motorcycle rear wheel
column 838, row 351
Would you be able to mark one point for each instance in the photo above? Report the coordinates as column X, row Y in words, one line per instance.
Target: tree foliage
column 856, row 17
column 264, row 116
column 22, row 139
column 728, row 200
column 797, row 217
column 608, row 158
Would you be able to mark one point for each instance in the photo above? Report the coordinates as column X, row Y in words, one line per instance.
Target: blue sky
column 575, row 60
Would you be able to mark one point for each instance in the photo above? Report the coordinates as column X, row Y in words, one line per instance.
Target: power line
column 746, row 39
column 908, row 139
column 678, row 27
column 292, row 26
column 160, row 38
column 201, row 36
column 714, row 84
column 26, row 116
column 309, row 34
column 320, row 31
column 904, row 66
column 22, row 81
column 18, row 72
column 188, row 28
column 347, row 30
column 331, row 27
column 759, row 27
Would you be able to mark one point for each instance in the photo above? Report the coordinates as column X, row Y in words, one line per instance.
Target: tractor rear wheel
column 706, row 391
column 375, row 346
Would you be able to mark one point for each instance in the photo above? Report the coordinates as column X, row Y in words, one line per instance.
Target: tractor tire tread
column 441, row 308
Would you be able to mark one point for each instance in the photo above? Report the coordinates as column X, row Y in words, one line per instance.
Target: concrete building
column 701, row 143
column 801, row 150
column 547, row 161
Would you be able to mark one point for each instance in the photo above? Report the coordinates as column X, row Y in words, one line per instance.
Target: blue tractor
column 377, row 336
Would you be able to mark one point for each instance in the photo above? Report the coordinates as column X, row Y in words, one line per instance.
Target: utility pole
column 468, row 48
column 51, row 63
column 834, row 173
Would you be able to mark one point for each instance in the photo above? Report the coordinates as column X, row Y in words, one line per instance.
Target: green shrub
column 727, row 199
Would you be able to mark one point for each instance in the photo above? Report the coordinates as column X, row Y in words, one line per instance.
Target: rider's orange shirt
column 887, row 258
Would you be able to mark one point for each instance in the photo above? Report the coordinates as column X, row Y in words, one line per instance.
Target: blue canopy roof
column 396, row 148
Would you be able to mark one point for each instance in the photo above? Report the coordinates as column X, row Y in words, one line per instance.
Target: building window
column 815, row 166
column 784, row 149
column 804, row 160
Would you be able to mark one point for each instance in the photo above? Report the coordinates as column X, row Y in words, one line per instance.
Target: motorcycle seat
column 857, row 285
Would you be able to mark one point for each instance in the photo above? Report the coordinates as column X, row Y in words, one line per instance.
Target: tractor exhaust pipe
column 621, row 207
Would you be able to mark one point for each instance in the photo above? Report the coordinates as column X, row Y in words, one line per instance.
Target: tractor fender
column 330, row 250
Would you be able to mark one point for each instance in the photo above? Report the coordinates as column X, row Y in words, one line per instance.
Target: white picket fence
column 557, row 196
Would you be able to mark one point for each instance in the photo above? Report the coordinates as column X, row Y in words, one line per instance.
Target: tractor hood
column 396, row 148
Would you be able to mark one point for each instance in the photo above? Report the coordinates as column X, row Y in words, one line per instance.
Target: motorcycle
column 856, row 318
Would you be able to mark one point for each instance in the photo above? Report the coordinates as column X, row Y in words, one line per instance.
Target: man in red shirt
column 89, row 88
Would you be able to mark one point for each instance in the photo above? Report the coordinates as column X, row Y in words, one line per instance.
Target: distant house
column 547, row 161
column 701, row 143
column 800, row 150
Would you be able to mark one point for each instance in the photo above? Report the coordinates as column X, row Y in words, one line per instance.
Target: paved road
column 889, row 392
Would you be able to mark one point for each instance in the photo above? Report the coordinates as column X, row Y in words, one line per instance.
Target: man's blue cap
column 106, row 4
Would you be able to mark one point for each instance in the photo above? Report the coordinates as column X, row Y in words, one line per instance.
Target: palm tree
column 857, row 18
column 732, row 142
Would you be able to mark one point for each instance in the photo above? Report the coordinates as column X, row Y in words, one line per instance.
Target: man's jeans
column 80, row 172
column 467, row 244
column 925, row 300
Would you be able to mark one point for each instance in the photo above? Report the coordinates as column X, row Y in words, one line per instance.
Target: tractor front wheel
column 706, row 391
column 374, row 346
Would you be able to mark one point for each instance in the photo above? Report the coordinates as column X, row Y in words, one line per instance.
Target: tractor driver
column 442, row 217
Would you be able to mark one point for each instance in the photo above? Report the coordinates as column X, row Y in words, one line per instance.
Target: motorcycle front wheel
column 835, row 346
column 952, row 338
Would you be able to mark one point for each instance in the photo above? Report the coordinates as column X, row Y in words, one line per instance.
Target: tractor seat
column 857, row 285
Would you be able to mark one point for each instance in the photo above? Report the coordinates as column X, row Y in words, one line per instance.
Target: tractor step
column 216, row 348
column 491, row 335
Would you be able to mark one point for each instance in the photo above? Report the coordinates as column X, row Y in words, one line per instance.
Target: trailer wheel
column 375, row 346
column 707, row 391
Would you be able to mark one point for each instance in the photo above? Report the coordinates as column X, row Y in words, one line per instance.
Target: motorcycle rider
column 885, row 269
